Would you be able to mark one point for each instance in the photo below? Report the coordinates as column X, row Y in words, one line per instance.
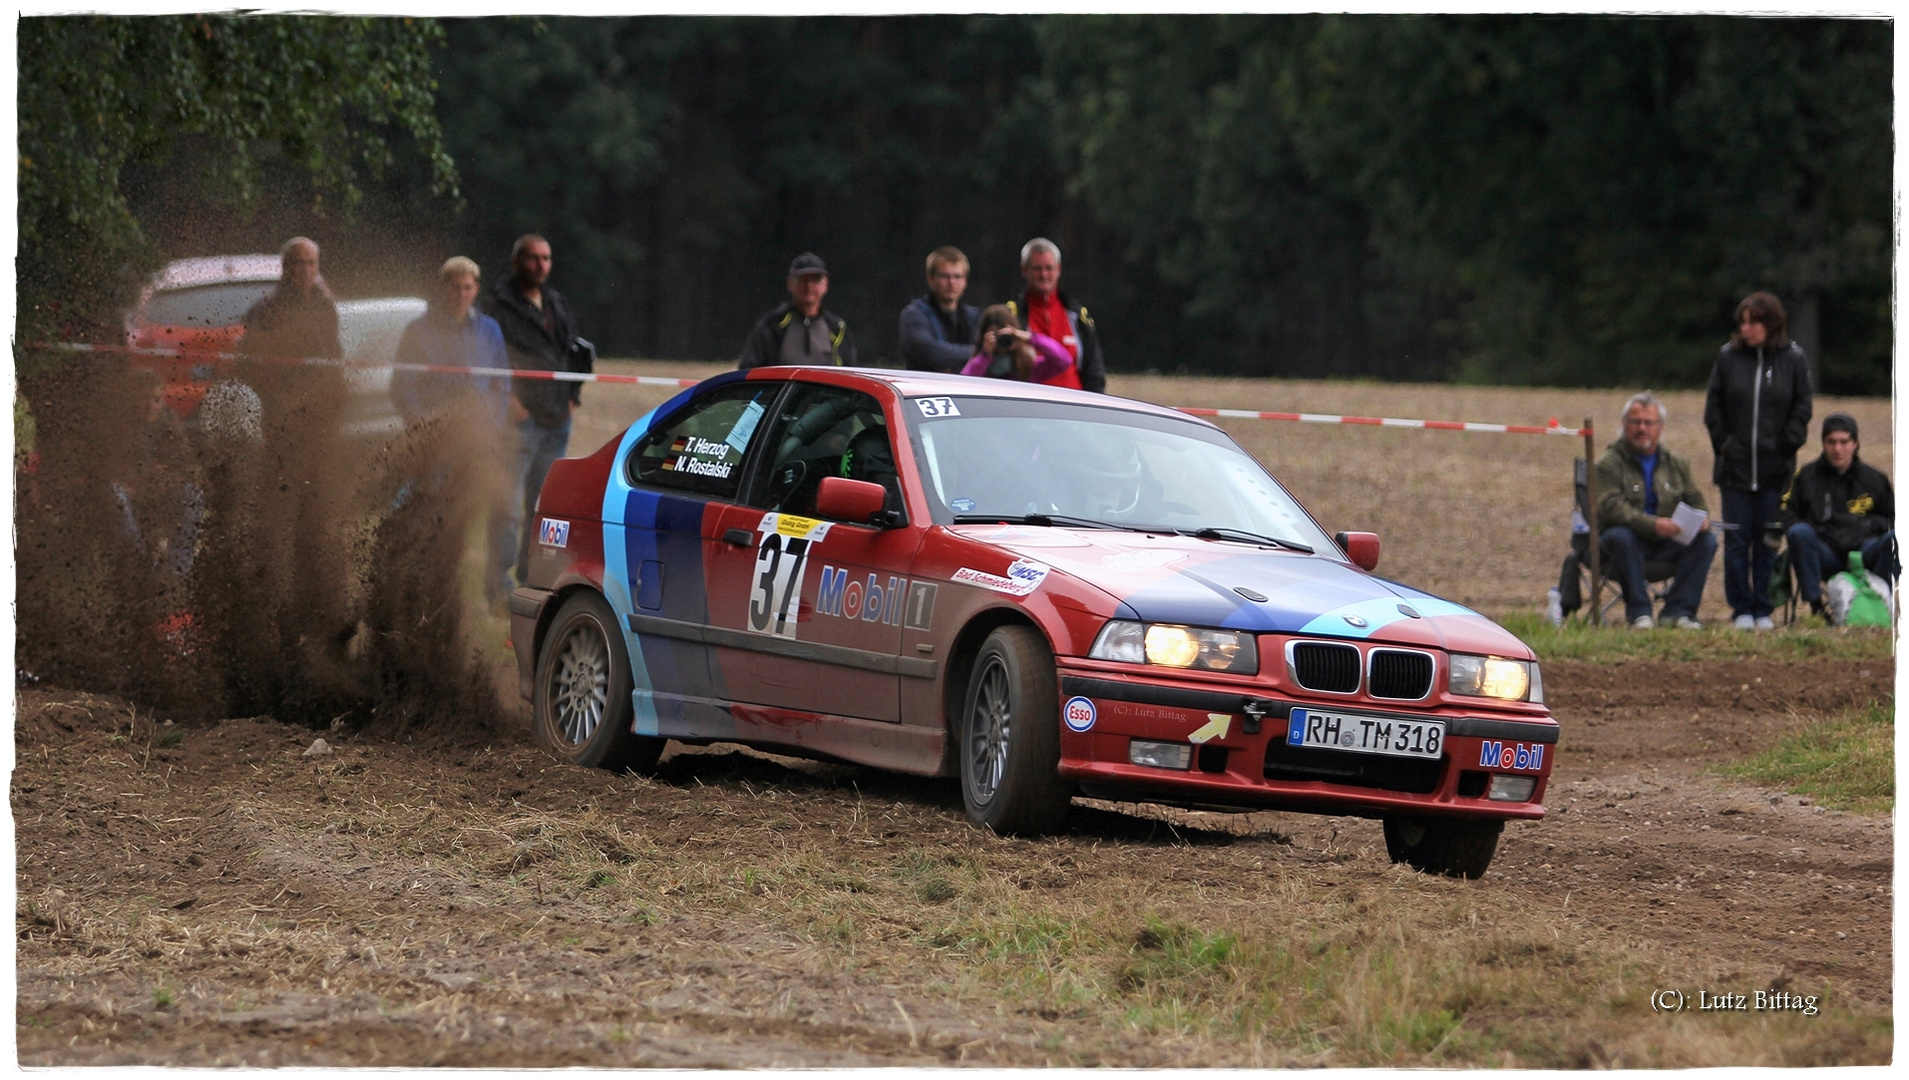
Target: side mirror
column 842, row 499
column 1361, row 547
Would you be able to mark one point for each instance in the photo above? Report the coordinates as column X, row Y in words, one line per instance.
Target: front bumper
column 1239, row 757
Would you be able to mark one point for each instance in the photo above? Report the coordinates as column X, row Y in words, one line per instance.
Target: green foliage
column 1846, row 764
column 1576, row 201
column 100, row 96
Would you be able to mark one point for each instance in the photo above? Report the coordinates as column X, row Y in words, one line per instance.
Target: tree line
column 1512, row 199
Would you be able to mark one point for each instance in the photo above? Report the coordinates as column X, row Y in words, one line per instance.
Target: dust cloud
column 248, row 558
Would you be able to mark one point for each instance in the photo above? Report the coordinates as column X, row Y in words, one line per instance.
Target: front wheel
column 1443, row 846
column 1010, row 737
column 583, row 689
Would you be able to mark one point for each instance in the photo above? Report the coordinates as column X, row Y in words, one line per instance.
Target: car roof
column 934, row 384
column 217, row 269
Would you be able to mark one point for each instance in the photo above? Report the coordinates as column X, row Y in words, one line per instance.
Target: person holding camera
column 1005, row 351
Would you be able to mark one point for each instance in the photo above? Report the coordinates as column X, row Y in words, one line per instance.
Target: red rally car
column 1045, row 592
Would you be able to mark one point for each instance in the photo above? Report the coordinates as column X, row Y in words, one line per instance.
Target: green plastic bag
column 1857, row 597
column 1778, row 594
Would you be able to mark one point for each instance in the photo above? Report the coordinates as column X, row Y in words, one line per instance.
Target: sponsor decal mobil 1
column 1498, row 755
column 869, row 601
column 553, row 533
column 1023, row 577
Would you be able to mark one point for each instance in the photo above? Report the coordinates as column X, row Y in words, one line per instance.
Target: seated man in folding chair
column 1837, row 505
column 1639, row 486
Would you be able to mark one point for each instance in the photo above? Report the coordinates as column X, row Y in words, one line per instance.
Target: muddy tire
column 1453, row 848
column 582, row 699
column 1010, row 747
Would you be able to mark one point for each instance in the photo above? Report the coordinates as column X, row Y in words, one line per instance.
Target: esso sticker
column 933, row 407
column 1079, row 714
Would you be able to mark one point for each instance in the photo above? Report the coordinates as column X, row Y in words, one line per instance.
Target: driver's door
column 817, row 605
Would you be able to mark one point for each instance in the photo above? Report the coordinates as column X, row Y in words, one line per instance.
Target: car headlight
column 1167, row 645
column 1496, row 677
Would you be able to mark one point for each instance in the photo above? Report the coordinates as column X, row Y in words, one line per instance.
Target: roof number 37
column 934, row 407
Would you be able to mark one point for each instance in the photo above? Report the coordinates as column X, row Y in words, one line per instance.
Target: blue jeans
column 1746, row 558
column 537, row 447
column 1625, row 555
column 1814, row 560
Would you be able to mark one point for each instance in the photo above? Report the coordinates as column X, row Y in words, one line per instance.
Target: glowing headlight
column 1167, row 645
column 1493, row 677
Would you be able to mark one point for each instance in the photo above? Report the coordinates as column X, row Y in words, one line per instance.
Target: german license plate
column 1365, row 734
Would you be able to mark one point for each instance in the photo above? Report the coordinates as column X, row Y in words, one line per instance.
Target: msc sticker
column 1215, row 728
column 1079, row 714
column 1023, row 577
column 936, row 407
column 961, row 506
column 801, row 528
column 921, row 607
column 554, row 533
column 1497, row 755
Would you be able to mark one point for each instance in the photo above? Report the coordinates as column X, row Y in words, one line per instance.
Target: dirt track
column 228, row 900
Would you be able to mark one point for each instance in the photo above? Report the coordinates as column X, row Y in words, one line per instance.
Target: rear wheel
column 1443, row 846
column 1010, row 737
column 583, row 689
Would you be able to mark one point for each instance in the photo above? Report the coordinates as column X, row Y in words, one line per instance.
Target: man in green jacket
column 1639, row 484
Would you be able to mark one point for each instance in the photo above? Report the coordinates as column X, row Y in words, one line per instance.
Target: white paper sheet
column 1689, row 521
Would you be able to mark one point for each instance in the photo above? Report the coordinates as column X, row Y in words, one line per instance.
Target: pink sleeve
column 1050, row 357
column 977, row 365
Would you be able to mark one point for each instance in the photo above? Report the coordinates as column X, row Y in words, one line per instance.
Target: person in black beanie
column 1836, row 505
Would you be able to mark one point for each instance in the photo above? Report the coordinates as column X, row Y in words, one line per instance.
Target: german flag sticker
column 679, row 445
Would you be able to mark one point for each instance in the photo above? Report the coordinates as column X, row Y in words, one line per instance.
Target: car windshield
column 207, row 306
column 992, row 458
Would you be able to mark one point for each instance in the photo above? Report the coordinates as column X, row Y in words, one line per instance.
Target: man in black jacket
column 539, row 336
column 800, row 332
column 1758, row 413
column 1836, row 505
column 938, row 330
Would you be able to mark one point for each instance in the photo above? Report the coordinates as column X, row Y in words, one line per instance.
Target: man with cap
column 800, row 332
column 1836, row 505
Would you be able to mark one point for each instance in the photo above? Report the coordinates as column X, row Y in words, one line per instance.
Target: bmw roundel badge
column 1354, row 620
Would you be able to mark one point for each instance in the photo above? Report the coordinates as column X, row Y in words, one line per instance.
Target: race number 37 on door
column 781, row 557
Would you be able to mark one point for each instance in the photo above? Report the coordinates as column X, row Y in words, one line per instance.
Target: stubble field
column 206, row 893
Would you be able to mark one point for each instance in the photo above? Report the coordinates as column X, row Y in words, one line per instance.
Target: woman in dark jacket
column 1758, row 413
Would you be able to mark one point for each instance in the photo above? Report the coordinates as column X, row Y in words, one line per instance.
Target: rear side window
column 700, row 450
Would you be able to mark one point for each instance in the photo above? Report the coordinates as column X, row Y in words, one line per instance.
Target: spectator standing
column 1758, row 413
column 1639, row 484
column 1051, row 312
column 800, row 331
column 1005, row 351
column 938, row 331
column 1836, row 505
column 452, row 334
column 538, row 336
column 298, row 317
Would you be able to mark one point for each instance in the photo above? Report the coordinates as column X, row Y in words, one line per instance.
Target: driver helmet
column 869, row 457
column 1108, row 473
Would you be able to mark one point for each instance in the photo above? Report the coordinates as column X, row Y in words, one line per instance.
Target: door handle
column 740, row 537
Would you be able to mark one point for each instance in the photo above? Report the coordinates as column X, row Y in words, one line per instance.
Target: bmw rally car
column 1044, row 592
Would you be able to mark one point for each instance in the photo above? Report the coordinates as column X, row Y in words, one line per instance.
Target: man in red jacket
column 1047, row 310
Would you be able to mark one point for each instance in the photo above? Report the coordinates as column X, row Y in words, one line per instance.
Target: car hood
column 1164, row 578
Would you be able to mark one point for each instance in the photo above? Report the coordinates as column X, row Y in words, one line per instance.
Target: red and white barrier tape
column 1554, row 428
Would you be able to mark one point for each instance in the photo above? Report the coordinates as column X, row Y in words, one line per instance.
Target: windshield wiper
column 1215, row 532
column 1044, row 520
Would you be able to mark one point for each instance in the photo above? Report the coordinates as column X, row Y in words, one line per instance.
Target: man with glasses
column 937, row 329
column 1639, row 484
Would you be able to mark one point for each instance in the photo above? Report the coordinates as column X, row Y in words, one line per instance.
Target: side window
column 823, row 431
column 700, row 451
